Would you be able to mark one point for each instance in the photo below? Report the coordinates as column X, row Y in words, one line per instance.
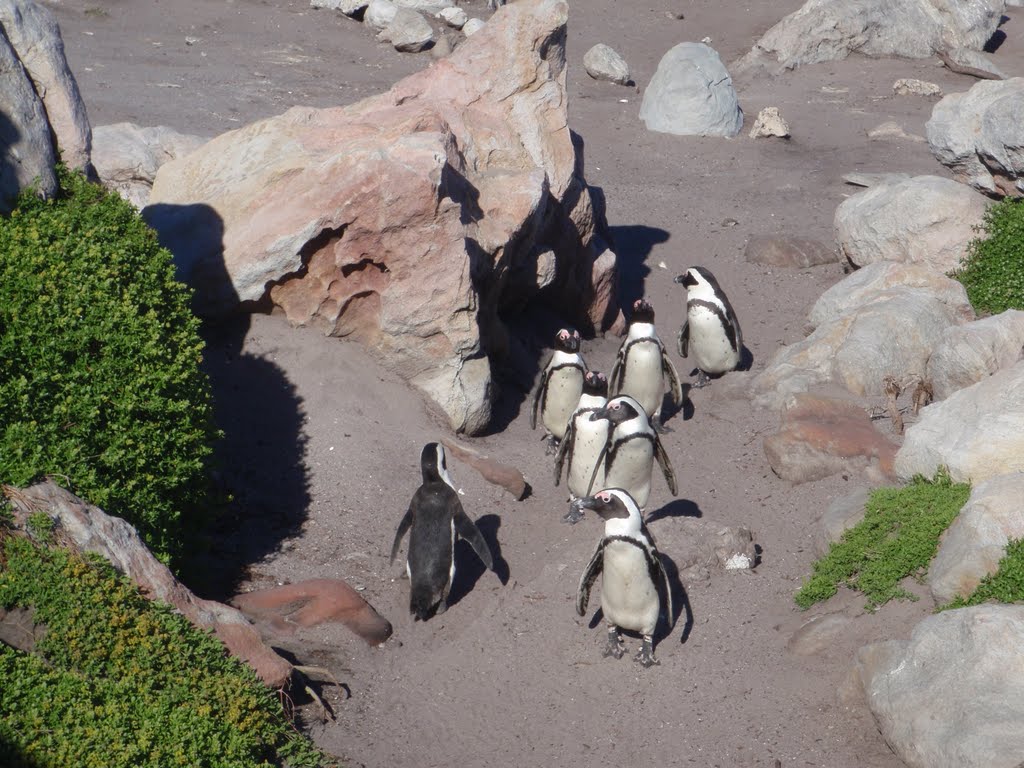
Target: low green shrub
column 993, row 271
column 118, row 681
column 100, row 383
column 897, row 538
column 1006, row 585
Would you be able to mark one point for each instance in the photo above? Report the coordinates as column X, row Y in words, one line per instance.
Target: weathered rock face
column 977, row 432
column 800, row 252
column 863, row 285
column 979, row 135
column 33, row 33
column 925, row 219
column 973, row 545
column 971, row 352
column 407, row 221
column 953, row 695
column 691, row 94
column 828, row 30
column 127, row 156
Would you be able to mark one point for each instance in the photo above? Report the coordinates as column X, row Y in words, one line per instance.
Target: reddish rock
column 822, row 436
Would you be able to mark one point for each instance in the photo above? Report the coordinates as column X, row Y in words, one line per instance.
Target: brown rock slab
column 821, row 436
column 313, row 602
column 491, row 470
column 797, row 252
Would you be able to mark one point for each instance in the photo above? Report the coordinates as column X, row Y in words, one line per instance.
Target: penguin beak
column 685, row 279
column 600, row 413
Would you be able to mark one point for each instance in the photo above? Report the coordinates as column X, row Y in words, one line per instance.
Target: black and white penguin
column 631, row 573
column 632, row 447
column 560, row 388
column 711, row 330
column 584, row 440
column 643, row 365
column 435, row 515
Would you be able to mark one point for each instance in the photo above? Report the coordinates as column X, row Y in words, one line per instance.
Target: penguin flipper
column 403, row 527
column 563, row 449
column 601, row 457
column 658, row 573
column 590, row 574
column 541, row 387
column 683, row 339
column 675, row 386
column 666, row 465
column 618, row 372
column 467, row 529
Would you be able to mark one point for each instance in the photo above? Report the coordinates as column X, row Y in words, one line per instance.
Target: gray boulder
column 347, row 7
column 472, row 26
column 952, row 696
column 971, row 352
column 127, row 156
column 925, row 219
column 973, row 545
column 431, row 7
column 691, row 94
column 979, row 135
column 828, row 30
column 408, row 31
column 603, row 63
column 379, row 14
column 33, row 33
column 976, row 433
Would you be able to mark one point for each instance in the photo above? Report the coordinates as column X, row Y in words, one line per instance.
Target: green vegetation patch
column 1006, row 585
column 993, row 271
column 897, row 538
column 100, row 383
column 118, row 680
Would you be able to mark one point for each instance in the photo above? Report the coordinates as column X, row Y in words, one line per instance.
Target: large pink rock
column 409, row 220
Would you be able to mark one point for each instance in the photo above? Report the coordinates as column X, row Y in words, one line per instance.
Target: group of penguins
column 606, row 444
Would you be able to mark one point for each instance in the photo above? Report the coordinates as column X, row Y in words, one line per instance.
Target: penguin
column 560, row 388
column 435, row 515
column 631, row 571
column 642, row 365
column 632, row 447
column 711, row 330
column 584, row 439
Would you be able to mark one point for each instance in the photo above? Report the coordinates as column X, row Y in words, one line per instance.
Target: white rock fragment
column 602, row 63
column 453, row 17
column 769, row 123
column 910, row 86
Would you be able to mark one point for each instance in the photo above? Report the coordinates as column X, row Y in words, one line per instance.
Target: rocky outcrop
column 971, row 352
column 925, row 219
column 691, row 94
column 952, row 696
column 979, row 135
column 410, row 220
column 828, row 30
column 127, row 156
column 973, row 545
column 89, row 529
column 977, row 432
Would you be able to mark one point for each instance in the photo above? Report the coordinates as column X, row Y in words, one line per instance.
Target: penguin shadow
column 633, row 244
column 469, row 569
column 675, row 508
column 669, row 410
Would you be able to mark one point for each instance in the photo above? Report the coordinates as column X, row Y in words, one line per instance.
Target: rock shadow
column 469, row 569
column 633, row 244
column 259, row 464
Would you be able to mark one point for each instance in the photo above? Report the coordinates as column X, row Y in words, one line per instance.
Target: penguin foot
column 702, row 380
column 646, row 654
column 552, row 446
column 615, row 645
column 441, row 607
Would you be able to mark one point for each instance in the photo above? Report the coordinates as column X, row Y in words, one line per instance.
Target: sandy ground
column 322, row 443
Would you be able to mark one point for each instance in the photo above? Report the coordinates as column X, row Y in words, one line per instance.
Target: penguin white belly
column 629, row 598
column 631, row 469
column 563, row 394
column 589, row 440
column 709, row 343
column 643, row 378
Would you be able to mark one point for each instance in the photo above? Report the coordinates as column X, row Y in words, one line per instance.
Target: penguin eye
column 605, row 497
column 563, row 335
column 615, row 406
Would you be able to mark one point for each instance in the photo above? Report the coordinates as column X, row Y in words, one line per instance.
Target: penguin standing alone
column 632, row 447
column 711, row 330
column 435, row 515
column 560, row 387
column 631, row 572
column 642, row 365
column 584, row 439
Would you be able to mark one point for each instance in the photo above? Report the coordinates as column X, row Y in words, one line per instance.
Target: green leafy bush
column 897, row 538
column 1006, row 585
column 993, row 272
column 100, row 383
column 118, row 681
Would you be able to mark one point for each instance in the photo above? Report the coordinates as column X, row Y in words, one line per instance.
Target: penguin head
column 618, row 410
column 613, row 505
column 595, row 383
column 434, row 464
column 567, row 340
column 643, row 312
column 698, row 279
